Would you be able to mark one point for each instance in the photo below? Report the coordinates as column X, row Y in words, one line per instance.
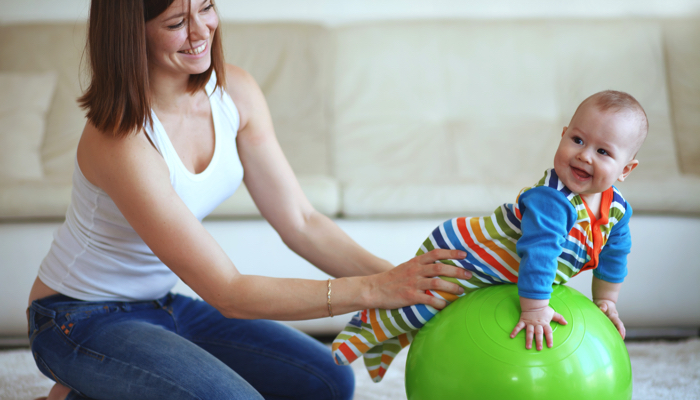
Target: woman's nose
column 199, row 30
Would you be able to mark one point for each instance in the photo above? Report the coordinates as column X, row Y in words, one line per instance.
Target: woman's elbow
column 229, row 310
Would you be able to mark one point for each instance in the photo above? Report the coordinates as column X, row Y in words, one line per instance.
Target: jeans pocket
column 40, row 319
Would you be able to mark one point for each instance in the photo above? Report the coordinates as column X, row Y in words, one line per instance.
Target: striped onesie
column 547, row 236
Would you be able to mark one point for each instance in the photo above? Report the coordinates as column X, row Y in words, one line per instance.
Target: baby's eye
column 603, row 152
column 577, row 140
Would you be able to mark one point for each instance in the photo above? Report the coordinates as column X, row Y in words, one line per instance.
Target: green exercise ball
column 465, row 352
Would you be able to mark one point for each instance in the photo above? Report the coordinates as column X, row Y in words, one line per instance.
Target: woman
column 170, row 130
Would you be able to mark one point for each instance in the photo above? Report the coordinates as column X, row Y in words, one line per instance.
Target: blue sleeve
column 547, row 218
column 612, row 263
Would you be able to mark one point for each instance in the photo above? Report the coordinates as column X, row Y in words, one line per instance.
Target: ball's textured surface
column 465, row 352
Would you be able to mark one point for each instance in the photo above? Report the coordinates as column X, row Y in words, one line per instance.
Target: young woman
column 170, row 130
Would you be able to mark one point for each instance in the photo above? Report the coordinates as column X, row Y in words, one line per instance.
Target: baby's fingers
column 619, row 325
column 518, row 327
column 539, row 333
column 549, row 338
column 622, row 330
column 559, row 319
column 529, row 333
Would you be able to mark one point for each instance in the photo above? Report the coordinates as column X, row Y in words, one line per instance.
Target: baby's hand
column 608, row 307
column 535, row 318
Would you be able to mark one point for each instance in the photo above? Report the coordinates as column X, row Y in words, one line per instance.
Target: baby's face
column 596, row 149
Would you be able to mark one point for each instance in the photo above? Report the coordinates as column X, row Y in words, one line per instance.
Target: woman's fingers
column 435, row 268
column 407, row 283
column 434, row 302
column 440, row 269
column 441, row 254
column 442, row 285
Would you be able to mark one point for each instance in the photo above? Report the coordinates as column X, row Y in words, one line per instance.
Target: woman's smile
column 197, row 51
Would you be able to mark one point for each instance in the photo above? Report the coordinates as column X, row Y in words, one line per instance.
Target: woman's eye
column 207, row 8
column 178, row 25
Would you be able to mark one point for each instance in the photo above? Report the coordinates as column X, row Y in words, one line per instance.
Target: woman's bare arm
column 279, row 197
column 137, row 179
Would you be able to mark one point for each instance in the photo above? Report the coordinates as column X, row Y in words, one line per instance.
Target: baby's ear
column 564, row 131
column 627, row 170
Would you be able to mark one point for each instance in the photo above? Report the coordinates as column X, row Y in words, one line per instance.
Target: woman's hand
column 406, row 284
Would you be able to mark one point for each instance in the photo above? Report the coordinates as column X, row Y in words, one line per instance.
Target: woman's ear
column 628, row 168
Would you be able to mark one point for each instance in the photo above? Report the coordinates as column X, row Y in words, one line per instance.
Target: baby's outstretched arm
column 605, row 297
column 535, row 316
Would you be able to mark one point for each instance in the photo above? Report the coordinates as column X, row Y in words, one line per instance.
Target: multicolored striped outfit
column 547, row 236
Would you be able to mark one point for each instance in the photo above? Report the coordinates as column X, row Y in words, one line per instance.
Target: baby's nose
column 584, row 155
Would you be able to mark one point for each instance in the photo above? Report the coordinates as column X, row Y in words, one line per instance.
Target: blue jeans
column 177, row 348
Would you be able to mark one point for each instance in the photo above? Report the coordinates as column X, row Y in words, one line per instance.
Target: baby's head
column 601, row 142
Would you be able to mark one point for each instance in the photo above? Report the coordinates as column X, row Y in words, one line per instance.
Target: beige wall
column 339, row 11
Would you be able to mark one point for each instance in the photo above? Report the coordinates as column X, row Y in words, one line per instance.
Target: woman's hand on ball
column 535, row 316
column 407, row 283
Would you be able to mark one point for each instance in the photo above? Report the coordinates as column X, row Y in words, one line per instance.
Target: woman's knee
column 344, row 379
column 336, row 382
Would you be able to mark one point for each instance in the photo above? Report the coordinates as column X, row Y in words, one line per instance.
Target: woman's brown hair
column 117, row 100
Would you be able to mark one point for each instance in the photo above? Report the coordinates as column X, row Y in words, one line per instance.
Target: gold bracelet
column 330, row 308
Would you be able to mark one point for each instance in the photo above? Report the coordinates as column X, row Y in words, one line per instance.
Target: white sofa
column 391, row 127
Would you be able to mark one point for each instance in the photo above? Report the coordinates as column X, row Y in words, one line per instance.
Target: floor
column 661, row 370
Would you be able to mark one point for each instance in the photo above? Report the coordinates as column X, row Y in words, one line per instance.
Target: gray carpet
column 661, row 370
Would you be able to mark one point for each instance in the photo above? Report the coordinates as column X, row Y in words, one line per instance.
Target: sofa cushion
column 289, row 61
column 34, row 199
column 59, row 48
column 24, row 101
column 50, row 199
column 322, row 191
column 682, row 45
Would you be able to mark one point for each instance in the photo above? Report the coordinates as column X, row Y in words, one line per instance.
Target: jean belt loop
column 39, row 309
column 160, row 303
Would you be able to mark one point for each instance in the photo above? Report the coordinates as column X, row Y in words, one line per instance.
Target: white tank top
column 97, row 256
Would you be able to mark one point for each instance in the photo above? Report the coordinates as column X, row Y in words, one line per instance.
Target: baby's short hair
column 616, row 101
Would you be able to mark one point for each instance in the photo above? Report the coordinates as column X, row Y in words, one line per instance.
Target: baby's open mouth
column 581, row 174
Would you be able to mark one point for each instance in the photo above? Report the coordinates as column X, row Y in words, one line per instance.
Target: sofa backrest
column 421, row 117
column 456, row 108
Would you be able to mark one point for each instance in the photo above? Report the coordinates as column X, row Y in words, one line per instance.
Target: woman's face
column 170, row 49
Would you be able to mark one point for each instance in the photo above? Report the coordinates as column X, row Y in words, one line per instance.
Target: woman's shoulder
column 239, row 82
column 245, row 92
column 102, row 155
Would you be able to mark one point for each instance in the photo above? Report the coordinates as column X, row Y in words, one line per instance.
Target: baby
column 570, row 221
